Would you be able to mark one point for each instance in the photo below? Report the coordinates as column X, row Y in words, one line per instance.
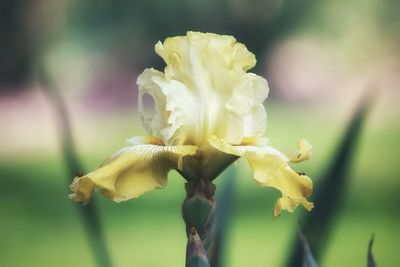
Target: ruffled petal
column 155, row 119
column 271, row 169
column 207, row 90
column 246, row 115
column 206, row 54
column 173, row 119
column 132, row 171
column 304, row 152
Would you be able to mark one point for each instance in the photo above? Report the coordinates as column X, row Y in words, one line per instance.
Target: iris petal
column 245, row 112
column 204, row 90
column 132, row 171
column 304, row 152
column 271, row 169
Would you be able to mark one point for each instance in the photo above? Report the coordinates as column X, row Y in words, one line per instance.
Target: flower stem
column 198, row 212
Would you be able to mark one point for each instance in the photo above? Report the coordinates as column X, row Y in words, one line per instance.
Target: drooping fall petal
column 132, row 171
column 270, row 168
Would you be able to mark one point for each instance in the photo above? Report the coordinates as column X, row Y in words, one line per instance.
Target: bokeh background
column 320, row 58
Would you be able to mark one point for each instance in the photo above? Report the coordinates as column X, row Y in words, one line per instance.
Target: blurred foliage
column 89, row 212
column 16, row 48
column 225, row 206
column 389, row 18
column 125, row 25
column 308, row 258
column 128, row 29
column 329, row 193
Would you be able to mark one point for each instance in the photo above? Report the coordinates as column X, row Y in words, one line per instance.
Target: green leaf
column 89, row 213
column 371, row 260
column 308, row 258
column 330, row 192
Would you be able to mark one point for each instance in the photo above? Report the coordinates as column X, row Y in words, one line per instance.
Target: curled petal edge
column 270, row 168
column 303, row 153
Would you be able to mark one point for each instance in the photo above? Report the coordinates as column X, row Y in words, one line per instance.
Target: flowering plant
column 208, row 111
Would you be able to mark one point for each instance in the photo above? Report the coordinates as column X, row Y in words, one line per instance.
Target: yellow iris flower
column 208, row 111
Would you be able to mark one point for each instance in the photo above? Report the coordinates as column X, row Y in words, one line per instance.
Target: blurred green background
column 320, row 57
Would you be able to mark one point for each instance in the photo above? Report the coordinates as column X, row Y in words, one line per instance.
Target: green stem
column 198, row 212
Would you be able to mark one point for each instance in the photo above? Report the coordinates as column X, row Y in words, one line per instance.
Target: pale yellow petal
column 255, row 146
column 203, row 53
column 206, row 78
column 245, row 112
column 132, row 171
column 181, row 104
column 172, row 118
column 154, row 115
column 304, row 152
column 271, row 169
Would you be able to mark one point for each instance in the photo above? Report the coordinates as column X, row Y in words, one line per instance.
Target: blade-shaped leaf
column 371, row 260
column 330, row 192
column 89, row 213
column 308, row 258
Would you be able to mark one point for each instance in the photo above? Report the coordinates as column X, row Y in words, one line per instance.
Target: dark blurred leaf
column 16, row 47
column 371, row 259
column 308, row 258
column 224, row 212
column 89, row 213
column 330, row 192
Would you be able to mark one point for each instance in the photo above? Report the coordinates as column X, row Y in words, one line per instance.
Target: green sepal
column 197, row 211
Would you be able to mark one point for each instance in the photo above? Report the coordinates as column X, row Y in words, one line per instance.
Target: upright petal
column 207, row 73
column 207, row 54
column 271, row 168
column 172, row 119
column 157, row 118
column 132, row 171
column 245, row 112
